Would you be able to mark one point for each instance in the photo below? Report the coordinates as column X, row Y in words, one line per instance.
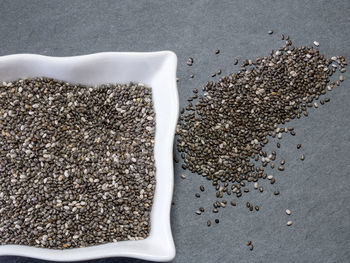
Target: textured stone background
column 316, row 190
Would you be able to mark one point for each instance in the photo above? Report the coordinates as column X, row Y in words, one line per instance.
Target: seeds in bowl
column 76, row 162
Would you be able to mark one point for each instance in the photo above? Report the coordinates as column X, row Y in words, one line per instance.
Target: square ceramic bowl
column 157, row 70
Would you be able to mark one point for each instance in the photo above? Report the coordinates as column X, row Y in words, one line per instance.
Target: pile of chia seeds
column 222, row 132
column 76, row 163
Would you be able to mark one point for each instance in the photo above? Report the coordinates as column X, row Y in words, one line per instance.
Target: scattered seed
column 190, row 61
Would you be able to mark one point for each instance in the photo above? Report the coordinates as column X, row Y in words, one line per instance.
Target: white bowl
column 157, row 70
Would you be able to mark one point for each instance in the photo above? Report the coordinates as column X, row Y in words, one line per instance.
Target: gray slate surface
column 316, row 190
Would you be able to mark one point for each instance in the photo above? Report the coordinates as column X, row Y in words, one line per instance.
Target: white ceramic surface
column 155, row 69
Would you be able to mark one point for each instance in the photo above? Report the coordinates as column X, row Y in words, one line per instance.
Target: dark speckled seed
column 217, row 221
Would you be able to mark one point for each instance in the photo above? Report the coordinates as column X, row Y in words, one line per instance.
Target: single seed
column 257, row 208
column 282, row 162
column 213, row 75
column 248, row 204
column 288, row 212
column 217, row 221
column 281, row 168
column 235, row 62
column 251, row 208
column 190, row 61
column 201, row 209
column 302, row 157
column 197, row 195
column 316, row 43
column 219, row 72
column 251, row 247
column 233, row 203
column 192, row 76
column 217, row 51
column 201, row 188
column 249, row 243
column 278, row 145
column 298, row 146
column 276, row 193
column 341, row 78
column 261, row 189
column 270, row 32
column 289, row 223
column 198, row 212
column 183, row 176
column 208, row 223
